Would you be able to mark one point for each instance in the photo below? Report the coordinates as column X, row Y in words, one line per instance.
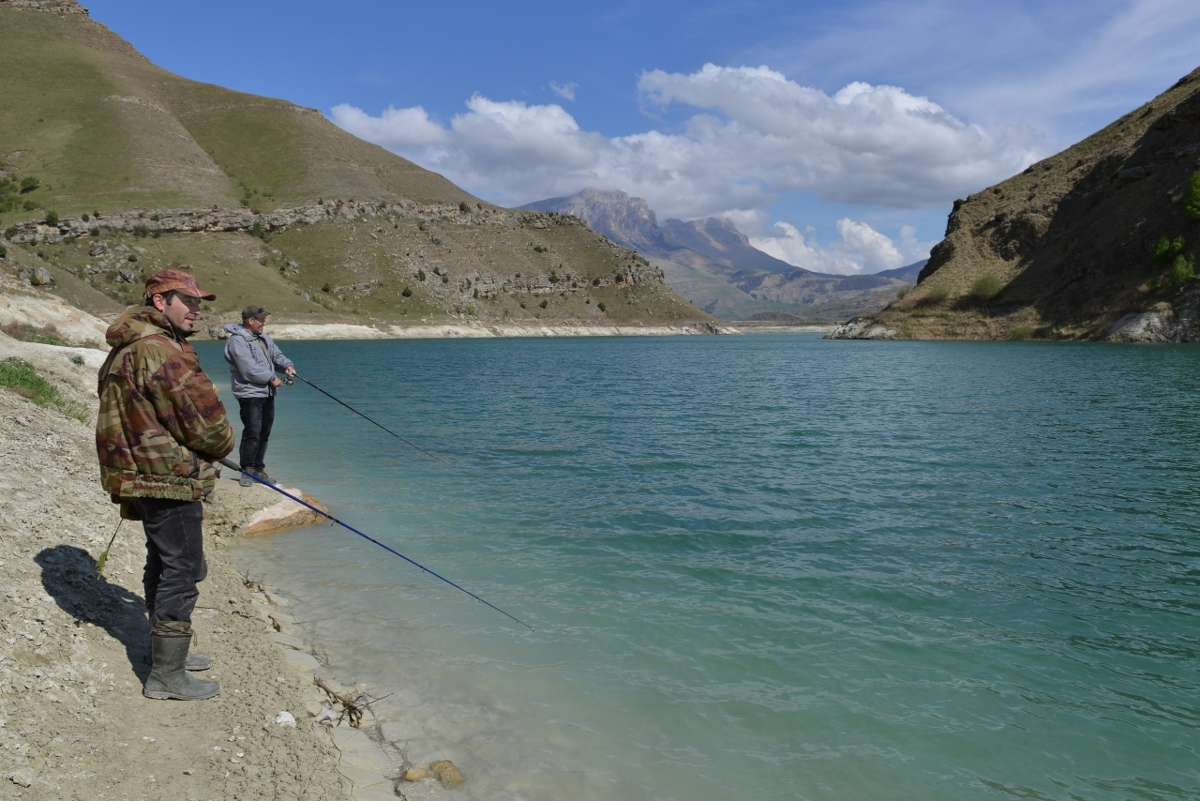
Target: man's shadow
column 69, row 576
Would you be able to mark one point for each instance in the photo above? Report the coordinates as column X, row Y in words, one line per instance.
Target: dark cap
column 254, row 311
column 165, row 281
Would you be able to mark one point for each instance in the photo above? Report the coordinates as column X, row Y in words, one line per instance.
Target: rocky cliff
column 1095, row 242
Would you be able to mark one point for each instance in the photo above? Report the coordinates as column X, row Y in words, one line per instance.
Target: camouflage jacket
column 161, row 424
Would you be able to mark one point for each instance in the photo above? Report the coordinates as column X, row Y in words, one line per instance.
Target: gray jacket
column 251, row 366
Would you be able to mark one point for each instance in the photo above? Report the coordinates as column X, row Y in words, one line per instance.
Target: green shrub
column 29, row 205
column 3, row 252
column 544, row 303
column 326, row 288
column 1191, row 202
column 463, row 206
column 420, row 275
column 21, row 377
column 154, row 217
column 553, row 277
column 131, row 258
column 445, row 279
column 1162, row 251
column 476, row 295
column 94, row 230
column 257, row 230
column 141, row 230
column 51, row 217
column 601, row 306
column 85, row 217
column 77, row 360
column 1183, row 269
column 406, row 292
column 595, row 282
column 1020, row 332
column 986, row 287
column 935, row 294
column 29, row 183
column 10, row 232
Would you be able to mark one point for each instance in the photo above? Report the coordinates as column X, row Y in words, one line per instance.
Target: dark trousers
column 175, row 561
column 258, row 415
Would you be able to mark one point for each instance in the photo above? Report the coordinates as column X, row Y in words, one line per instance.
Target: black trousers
column 258, row 415
column 175, row 561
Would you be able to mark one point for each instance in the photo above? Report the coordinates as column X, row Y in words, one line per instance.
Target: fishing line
column 369, row 420
column 235, row 467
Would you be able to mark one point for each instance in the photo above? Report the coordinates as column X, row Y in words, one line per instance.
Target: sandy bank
column 74, row 648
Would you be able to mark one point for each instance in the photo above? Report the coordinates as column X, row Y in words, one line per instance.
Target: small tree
column 1183, row 269
column 420, row 275
column 1191, row 203
column 51, row 217
column 406, row 292
column 29, row 183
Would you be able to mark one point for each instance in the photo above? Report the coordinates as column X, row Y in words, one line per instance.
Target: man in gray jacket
column 253, row 360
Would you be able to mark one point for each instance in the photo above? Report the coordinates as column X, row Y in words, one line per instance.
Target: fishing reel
column 288, row 380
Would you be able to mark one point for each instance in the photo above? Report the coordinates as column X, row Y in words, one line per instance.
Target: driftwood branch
column 352, row 708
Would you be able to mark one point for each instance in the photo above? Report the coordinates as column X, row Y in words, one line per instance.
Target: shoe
column 168, row 677
column 263, row 475
column 245, row 481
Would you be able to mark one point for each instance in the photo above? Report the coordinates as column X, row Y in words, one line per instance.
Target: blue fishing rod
column 234, row 466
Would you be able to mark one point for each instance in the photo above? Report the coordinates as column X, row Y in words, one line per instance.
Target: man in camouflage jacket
column 161, row 427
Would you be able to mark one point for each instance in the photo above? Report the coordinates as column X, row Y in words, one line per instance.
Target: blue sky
column 836, row 135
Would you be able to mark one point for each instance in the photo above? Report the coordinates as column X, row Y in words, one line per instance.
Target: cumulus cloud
column 564, row 90
column 755, row 135
column 859, row 249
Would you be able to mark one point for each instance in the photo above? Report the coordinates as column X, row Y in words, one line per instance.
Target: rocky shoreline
column 74, row 647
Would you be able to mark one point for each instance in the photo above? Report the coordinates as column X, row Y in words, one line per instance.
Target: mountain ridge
column 302, row 217
column 713, row 264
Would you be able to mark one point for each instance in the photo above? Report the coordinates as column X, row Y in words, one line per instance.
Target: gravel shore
column 74, row 649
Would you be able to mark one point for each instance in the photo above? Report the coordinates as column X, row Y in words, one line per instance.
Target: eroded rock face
column 861, row 328
column 1157, row 325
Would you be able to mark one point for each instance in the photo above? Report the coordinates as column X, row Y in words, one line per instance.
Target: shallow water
column 766, row 564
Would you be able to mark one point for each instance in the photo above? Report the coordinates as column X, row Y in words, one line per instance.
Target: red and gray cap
column 165, row 281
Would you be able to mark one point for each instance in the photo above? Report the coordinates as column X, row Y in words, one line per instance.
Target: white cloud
column 755, row 135
column 564, row 90
column 860, row 249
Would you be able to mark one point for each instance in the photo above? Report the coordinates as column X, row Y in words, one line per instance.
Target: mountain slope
column 144, row 169
column 1065, row 249
column 711, row 263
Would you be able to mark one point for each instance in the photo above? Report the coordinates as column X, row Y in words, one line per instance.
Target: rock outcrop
column 1066, row 249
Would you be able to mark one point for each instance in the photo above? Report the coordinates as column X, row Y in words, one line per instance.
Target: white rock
column 285, row 719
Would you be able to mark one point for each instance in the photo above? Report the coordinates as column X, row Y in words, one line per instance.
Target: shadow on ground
column 69, row 577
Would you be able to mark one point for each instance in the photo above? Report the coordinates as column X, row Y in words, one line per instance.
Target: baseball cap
column 165, row 281
column 254, row 311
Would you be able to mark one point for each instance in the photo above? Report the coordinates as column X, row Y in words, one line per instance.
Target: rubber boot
column 195, row 662
column 168, row 679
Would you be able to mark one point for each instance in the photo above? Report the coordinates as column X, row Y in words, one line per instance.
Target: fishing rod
column 234, row 466
column 369, row 420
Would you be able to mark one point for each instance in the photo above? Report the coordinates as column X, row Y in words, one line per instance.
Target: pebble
column 415, row 774
column 447, row 774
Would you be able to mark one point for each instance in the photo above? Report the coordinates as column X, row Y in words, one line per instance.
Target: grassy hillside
column 1070, row 248
column 111, row 144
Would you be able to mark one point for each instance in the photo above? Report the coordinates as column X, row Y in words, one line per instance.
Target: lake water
column 770, row 567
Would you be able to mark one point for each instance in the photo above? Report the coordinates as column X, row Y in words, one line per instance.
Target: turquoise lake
column 770, row 567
